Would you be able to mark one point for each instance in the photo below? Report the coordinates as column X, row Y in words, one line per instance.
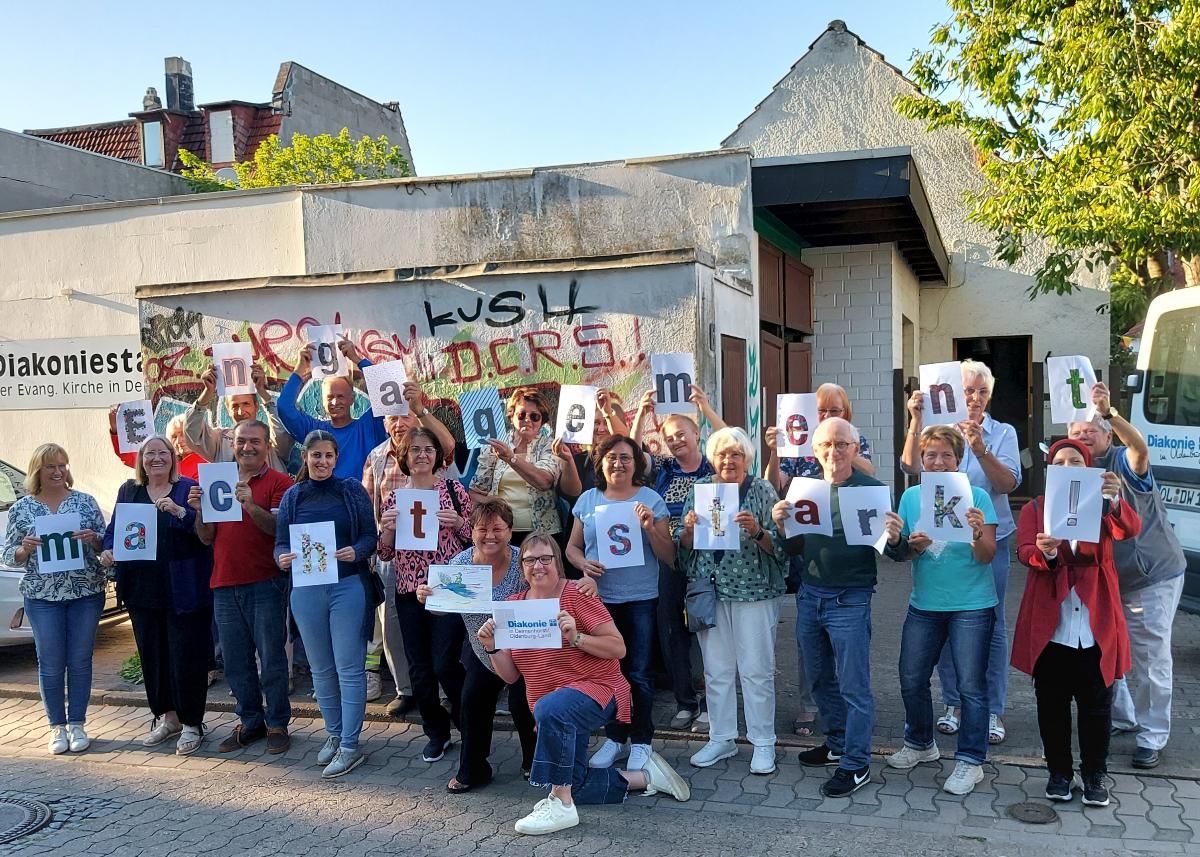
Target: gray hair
column 729, row 436
column 974, row 367
column 1100, row 422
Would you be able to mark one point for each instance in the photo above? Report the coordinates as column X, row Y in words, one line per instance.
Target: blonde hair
column 974, row 367
column 541, row 537
column 729, row 436
column 40, row 458
column 139, row 466
column 829, row 389
column 945, row 434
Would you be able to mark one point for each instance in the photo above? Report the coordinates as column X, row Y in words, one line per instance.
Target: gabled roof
column 121, row 139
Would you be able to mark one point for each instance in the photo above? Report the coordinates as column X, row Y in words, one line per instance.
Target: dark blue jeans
column 252, row 619
column 635, row 620
column 64, row 635
column 922, row 642
column 835, row 639
column 997, row 668
column 565, row 721
column 674, row 639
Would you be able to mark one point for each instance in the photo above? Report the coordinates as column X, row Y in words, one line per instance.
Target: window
column 1172, row 394
column 152, row 144
column 220, row 129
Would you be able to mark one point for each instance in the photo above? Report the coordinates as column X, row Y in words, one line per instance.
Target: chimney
column 179, row 84
column 150, row 100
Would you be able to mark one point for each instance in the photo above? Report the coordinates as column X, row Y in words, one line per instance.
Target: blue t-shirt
column 947, row 576
column 632, row 583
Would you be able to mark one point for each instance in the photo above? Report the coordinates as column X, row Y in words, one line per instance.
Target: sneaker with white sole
column 713, row 752
column 763, row 760
column 661, row 777
column 607, row 754
column 909, row 757
column 964, row 779
column 344, row 761
column 160, row 731
column 60, row 741
column 683, row 719
column 328, row 750
column 548, row 816
column 78, row 739
column 700, row 724
column 374, row 686
column 639, row 755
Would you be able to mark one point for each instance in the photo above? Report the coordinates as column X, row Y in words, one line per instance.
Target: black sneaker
column 818, row 757
column 435, row 749
column 1059, row 788
column 1095, row 792
column 844, row 783
column 1144, row 757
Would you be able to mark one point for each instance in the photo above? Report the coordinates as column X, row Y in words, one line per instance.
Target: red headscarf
column 1073, row 444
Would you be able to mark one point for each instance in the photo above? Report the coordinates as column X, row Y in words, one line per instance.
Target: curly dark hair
column 606, row 446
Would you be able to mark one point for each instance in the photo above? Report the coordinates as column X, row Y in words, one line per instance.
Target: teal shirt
column 953, row 579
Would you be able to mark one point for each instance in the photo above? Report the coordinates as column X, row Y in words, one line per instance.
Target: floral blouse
column 64, row 585
column 543, row 503
column 412, row 566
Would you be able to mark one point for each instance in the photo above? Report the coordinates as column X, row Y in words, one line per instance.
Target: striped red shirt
column 548, row 670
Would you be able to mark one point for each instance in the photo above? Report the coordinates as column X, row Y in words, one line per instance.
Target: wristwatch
column 1113, row 412
column 758, row 537
column 577, row 643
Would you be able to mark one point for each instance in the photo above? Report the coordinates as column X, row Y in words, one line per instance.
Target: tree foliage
column 323, row 159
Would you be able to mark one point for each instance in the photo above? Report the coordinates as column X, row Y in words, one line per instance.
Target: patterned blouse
column 543, row 503
column 65, row 585
column 513, row 583
column 811, row 468
column 412, row 566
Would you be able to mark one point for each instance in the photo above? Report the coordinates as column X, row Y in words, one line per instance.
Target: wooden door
column 733, row 380
column 797, row 296
column 770, row 283
column 799, row 367
column 773, row 376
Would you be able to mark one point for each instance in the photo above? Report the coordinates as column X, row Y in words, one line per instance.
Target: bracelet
column 491, row 651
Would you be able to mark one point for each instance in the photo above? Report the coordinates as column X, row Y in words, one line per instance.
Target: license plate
column 1182, row 496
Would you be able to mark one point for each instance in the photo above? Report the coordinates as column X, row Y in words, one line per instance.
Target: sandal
column 457, row 788
column 947, row 724
column 190, row 739
column 805, row 728
column 996, row 731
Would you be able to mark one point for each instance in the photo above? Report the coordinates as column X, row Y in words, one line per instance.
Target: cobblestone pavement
column 122, row 799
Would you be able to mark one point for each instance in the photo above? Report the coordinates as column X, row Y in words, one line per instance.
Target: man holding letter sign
column 216, row 444
column 231, row 365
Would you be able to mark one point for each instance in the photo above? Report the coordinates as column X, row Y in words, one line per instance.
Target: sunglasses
column 530, row 417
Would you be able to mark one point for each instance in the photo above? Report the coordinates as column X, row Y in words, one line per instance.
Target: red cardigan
column 1096, row 585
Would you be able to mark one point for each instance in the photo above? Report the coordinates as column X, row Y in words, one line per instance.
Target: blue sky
column 481, row 85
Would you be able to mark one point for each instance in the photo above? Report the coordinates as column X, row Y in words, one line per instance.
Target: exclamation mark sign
column 1073, row 505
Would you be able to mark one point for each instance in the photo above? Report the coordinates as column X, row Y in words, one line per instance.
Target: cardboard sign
column 58, row 551
column 618, row 536
column 135, row 424
column 716, row 504
column 217, row 503
column 135, row 532
column 945, row 498
column 795, row 421
column 942, row 387
column 482, row 417
column 314, row 545
column 863, row 510
column 1073, row 502
column 385, row 386
column 460, row 589
column 576, row 414
column 528, row 624
column 233, row 362
column 1071, row 380
column 812, row 509
column 672, row 376
column 328, row 360
column 416, row 519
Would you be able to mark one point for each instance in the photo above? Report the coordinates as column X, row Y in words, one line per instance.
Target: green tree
column 323, row 159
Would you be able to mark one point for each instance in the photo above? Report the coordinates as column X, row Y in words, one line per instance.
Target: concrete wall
column 36, row 173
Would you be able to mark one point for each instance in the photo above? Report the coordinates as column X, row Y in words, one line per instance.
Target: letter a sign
column 385, row 386
column 945, row 401
column 673, row 376
column 416, row 519
column 135, row 532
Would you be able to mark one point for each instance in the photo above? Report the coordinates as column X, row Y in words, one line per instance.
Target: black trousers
column 175, row 649
column 674, row 639
column 481, row 690
column 1060, row 675
column 433, row 645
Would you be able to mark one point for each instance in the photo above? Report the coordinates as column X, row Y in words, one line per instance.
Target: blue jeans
column 64, row 635
column 565, row 721
column 922, row 641
column 835, row 639
column 997, row 667
column 635, row 620
column 252, row 618
column 330, row 618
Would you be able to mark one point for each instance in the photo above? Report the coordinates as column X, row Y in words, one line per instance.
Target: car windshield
column 12, row 485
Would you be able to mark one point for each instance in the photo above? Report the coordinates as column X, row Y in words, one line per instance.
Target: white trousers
column 742, row 644
column 1149, row 613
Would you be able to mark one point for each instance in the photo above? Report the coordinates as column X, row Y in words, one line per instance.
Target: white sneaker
column 763, row 760
column 964, row 778
column 160, row 731
column 78, row 738
column 60, row 742
column 329, row 750
column 713, row 752
column 344, row 761
column 907, row 757
column 661, row 777
column 608, row 753
column 639, row 755
column 548, row 816
column 374, row 686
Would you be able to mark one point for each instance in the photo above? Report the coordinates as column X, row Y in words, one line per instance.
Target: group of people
column 527, row 509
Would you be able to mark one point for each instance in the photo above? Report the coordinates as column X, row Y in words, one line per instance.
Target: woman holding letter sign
column 951, row 608
column 167, row 595
column 572, row 690
column 1071, row 635
column 63, row 607
column 335, row 619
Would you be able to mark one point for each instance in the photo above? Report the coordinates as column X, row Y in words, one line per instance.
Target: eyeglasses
column 528, row 417
column 546, row 560
column 618, row 459
column 731, row 453
column 830, row 412
column 422, row 450
column 839, row 445
column 494, row 532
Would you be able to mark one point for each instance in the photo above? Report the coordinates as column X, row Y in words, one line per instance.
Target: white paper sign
column 135, row 532
column 460, row 589
column 576, row 413
column 482, row 416
column 1073, row 502
column 795, row 421
column 314, row 545
column 863, row 510
column 232, row 362
column 673, row 376
column 58, row 551
column 618, row 536
column 812, row 511
column 385, row 386
column 716, row 504
column 945, row 499
column 528, row 624
column 1071, row 380
column 416, row 519
column 945, row 401
column 328, row 360
column 217, row 503
column 135, row 424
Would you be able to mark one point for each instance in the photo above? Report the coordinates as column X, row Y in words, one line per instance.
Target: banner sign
column 92, row 372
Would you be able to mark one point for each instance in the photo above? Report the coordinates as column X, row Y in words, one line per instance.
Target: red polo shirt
column 242, row 553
